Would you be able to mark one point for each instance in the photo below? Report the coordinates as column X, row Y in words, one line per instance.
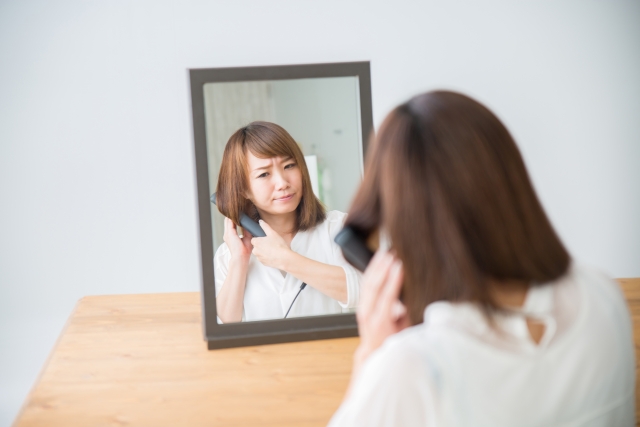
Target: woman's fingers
column 388, row 299
column 368, row 286
column 398, row 310
column 226, row 226
column 229, row 226
column 391, row 291
column 379, row 272
column 372, row 281
column 375, row 274
column 246, row 238
column 380, row 313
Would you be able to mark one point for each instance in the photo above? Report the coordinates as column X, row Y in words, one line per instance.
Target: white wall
column 96, row 169
column 323, row 116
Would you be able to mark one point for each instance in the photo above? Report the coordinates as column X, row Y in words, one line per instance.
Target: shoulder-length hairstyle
column 264, row 140
column 445, row 180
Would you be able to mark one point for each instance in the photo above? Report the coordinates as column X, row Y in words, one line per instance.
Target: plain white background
column 96, row 162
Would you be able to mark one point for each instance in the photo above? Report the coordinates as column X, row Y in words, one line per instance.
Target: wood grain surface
column 631, row 288
column 141, row 360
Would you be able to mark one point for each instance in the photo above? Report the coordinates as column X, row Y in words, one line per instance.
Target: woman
column 264, row 175
column 476, row 316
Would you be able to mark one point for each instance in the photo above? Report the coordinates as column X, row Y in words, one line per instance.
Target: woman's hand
column 271, row 250
column 240, row 248
column 380, row 313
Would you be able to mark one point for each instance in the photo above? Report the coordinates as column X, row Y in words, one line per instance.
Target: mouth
column 285, row 198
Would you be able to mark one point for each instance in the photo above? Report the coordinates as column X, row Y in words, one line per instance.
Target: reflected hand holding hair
column 240, row 247
column 380, row 313
column 271, row 250
column 274, row 251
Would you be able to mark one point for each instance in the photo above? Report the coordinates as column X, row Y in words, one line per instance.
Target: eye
column 263, row 175
column 290, row 165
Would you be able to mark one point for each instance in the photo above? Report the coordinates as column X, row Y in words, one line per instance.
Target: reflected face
column 275, row 184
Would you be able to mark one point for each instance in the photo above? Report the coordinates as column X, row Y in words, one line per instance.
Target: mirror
column 327, row 112
column 322, row 116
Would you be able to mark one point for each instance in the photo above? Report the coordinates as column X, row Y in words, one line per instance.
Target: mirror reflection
column 285, row 157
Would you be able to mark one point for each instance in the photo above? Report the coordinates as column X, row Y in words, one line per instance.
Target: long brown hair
column 264, row 140
column 445, row 180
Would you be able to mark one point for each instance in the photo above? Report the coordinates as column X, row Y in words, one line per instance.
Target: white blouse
column 268, row 293
column 456, row 370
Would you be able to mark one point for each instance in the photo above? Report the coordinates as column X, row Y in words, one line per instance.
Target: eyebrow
column 286, row 159
column 262, row 167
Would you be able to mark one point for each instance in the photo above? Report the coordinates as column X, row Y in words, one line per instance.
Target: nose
column 281, row 182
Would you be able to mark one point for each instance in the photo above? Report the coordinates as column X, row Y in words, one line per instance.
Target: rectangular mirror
column 326, row 111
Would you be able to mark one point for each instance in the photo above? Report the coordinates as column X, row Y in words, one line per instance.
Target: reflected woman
column 264, row 175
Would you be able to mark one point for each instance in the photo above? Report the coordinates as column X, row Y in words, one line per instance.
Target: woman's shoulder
column 594, row 282
column 393, row 387
column 333, row 222
column 222, row 252
column 601, row 297
column 407, row 349
column 336, row 216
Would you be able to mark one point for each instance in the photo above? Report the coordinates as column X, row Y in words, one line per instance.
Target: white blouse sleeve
column 393, row 388
column 220, row 271
column 335, row 220
column 221, row 266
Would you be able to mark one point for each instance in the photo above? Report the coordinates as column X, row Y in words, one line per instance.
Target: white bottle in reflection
column 312, row 166
column 320, row 177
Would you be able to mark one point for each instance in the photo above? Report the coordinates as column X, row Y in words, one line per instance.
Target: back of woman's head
column 264, row 140
column 445, row 180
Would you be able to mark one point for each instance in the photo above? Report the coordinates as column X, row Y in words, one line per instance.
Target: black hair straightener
column 354, row 248
column 246, row 222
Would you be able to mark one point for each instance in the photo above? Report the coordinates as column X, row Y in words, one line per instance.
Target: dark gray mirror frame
column 268, row 331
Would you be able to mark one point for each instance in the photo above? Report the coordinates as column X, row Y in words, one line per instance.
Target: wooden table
column 631, row 288
column 141, row 360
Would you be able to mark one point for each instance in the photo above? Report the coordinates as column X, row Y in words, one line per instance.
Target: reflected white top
column 268, row 294
column 455, row 370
